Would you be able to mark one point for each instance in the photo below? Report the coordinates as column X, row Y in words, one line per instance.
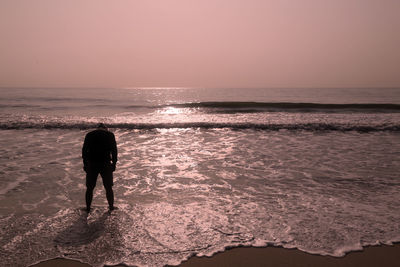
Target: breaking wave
column 211, row 107
column 288, row 106
column 207, row 125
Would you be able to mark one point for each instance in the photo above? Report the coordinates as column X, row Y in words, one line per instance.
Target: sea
column 200, row 170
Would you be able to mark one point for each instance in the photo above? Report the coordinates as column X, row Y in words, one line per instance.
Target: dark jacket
column 100, row 147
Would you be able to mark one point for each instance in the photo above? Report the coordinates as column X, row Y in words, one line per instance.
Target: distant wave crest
column 289, row 106
column 215, row 107
column 207, row 125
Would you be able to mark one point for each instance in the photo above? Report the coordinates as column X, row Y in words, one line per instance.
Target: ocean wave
column 207, row 125
column 288, row 106
column 212, row 107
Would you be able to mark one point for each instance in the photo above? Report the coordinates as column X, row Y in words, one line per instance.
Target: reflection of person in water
column 99, row 153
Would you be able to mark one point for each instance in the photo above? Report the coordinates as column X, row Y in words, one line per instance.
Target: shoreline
column 380, row 255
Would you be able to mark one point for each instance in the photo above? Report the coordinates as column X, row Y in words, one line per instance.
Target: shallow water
column 194, row 191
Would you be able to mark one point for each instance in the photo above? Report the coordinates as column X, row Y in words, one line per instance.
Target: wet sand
column 388, row 256
column 275, row 256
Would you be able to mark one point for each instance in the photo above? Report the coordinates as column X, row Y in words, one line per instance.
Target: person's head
column 102, row 126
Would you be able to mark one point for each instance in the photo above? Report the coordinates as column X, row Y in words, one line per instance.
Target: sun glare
column 171, row 111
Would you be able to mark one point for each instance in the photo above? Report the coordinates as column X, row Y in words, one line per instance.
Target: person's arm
column 114, row 152
column 85, row 153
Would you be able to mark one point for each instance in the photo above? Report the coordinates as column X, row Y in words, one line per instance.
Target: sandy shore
column 388, row 256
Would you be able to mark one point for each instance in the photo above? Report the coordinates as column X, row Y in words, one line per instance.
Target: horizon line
column 197, row 87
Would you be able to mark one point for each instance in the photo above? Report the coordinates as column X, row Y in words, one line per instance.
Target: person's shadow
column 82, row 232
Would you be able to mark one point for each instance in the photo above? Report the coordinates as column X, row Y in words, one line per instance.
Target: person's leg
column 110, row 197
column 107, row 176
column 91, row 178
column 89, row 197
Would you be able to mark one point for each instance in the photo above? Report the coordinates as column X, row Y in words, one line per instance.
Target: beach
column 198, row 174
column 388, row 256
column 199, row 133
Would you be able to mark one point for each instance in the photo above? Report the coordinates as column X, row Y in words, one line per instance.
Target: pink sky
column 202, row 43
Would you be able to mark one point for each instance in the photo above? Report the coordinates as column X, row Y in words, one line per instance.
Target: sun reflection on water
column 172, row 110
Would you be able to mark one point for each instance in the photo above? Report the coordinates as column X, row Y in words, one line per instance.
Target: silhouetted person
column 99, row 153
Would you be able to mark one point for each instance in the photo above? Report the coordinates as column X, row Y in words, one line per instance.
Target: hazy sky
column 200, row 43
